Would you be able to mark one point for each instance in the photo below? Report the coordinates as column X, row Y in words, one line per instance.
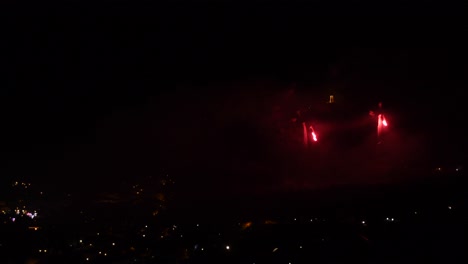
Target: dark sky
column 103, row 91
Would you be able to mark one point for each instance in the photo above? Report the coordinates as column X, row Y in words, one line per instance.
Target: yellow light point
column 246, row 225
column 331, row 100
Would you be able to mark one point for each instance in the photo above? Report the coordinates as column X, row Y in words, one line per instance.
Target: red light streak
column 314, row 136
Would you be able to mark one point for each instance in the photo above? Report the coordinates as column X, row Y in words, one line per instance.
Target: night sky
column 96, row 94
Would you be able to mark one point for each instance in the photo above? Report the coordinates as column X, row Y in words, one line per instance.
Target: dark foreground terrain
column 422, row 221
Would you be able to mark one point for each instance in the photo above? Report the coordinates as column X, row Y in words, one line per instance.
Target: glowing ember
column 314, row 136
column 384, row 122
